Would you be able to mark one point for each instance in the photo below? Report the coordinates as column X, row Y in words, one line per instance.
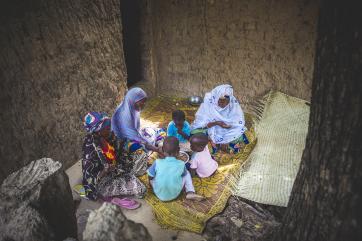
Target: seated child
column 201, row 159
column 180, row 129
column 169, row 176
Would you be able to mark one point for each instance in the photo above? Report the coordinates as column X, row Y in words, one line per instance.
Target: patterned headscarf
column 95, row 121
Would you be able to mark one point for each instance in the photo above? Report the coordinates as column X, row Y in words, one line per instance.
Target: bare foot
column 194, row 196
column 224, row 148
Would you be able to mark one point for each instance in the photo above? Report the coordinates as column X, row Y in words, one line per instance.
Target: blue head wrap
column 95, row 121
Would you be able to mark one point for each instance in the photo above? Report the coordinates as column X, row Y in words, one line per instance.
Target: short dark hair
column 178, row 115
column 200, row 138
column 171, row 145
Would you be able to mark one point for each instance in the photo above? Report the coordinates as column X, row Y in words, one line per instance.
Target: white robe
column 232, row 115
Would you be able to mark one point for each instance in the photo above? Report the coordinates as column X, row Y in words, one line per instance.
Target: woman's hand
column 218, row 123
column 212, row 124
column 155, row 149
column 150, row 147
column 224, row 125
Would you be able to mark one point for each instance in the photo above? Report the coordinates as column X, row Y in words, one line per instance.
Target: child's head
column 178, row 117
column 171, row 146
column 198, row 142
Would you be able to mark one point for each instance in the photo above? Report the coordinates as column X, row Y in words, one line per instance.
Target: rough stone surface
column 58, row 60
column 254, row 45
column 109, row 223
column 36, row 204
column 241, row 221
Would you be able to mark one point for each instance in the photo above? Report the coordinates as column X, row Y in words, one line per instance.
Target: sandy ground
column 142, row 215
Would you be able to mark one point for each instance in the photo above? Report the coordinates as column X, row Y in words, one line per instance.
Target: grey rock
column 109, row 223
column 36, row 204
column 241, row 221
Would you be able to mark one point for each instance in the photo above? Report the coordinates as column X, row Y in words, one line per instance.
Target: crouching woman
column 103, row 173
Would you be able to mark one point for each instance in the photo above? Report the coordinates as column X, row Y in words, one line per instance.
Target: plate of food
column 183, row 156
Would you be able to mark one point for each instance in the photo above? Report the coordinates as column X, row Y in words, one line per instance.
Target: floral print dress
column 99, row 155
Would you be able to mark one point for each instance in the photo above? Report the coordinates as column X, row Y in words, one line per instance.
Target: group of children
column 169, row 176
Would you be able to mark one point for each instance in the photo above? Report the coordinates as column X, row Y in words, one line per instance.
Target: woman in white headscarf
column 126, row 126
column 221, row 117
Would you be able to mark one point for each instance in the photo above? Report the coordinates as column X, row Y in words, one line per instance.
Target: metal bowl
column 195, row 100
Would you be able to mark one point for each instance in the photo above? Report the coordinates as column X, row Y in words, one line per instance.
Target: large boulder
column 109, row 223
column 241, row 221
column 36, row 204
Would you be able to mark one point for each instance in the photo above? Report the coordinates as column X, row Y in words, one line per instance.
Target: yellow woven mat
column 273, row 166
column 181, row 213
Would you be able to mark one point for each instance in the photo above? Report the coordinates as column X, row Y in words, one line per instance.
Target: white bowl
column 185, row 156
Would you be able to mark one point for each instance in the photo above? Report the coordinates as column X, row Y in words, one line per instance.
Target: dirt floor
column 142, row 215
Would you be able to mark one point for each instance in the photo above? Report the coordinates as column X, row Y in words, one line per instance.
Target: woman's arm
column 212, row 124
column 155, row 149
column 150, row 147
column 218, row 123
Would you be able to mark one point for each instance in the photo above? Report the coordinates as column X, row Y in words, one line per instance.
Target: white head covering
column 126, row 119
column 232, row 115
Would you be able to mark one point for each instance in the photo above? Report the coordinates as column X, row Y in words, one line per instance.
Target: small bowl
column 195, row 100
column 183, row 156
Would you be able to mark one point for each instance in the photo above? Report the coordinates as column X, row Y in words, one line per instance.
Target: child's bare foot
column 194, row 196
column 224, row 148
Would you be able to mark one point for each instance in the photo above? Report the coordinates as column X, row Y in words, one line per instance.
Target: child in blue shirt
column 169, row 176
column 179, row 127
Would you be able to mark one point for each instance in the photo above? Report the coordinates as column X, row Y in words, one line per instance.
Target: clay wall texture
column 256, row 45
column 58, row 60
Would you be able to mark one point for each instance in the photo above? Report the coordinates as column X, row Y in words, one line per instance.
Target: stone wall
column 58, row 60
column 256, row 45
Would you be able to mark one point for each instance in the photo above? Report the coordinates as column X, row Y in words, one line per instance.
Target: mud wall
column 254, row 45
column 58, row 60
